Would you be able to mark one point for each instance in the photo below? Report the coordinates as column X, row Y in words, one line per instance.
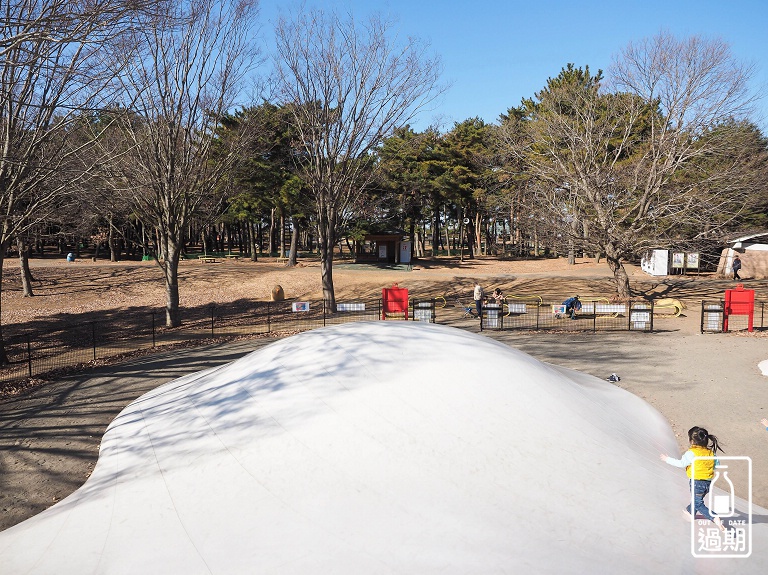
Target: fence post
column 213, row 311
column 323, row 312
column 93, row 338
column 538, row 308
column 269, row 317
column 594, row 317
column 153, row 330
column 29, row 356
column 651, row 316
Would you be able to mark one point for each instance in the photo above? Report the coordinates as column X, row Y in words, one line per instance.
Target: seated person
column 497, row 296
column 572, row 305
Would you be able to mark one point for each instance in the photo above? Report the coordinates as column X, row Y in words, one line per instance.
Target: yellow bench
column 207, row 259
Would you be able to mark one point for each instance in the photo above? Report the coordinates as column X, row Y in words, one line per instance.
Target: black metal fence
column 57, row 344
column 713, row 318
column 593, row 316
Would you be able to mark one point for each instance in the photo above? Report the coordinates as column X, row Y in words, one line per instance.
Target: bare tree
column 625, row 169
column 185, row 79
column 349, row 86
column 52, row 73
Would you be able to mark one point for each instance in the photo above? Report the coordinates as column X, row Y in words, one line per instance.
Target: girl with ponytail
column 699, row 474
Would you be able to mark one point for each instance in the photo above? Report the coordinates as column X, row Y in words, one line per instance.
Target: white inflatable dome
column 366, row 448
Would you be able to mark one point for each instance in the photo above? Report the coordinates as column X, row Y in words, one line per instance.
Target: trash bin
column 424, row 311
column 492, row 314
column 739, row 301
column 394, row 302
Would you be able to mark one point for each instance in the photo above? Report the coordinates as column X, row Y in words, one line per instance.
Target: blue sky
column 497, row 52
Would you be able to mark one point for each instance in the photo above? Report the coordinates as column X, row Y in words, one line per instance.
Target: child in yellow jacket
column 702, row 445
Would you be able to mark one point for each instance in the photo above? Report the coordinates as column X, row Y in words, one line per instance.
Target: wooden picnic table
column 207, row 259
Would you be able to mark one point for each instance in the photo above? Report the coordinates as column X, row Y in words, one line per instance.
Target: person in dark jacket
column 572, row 305
column 736, row 266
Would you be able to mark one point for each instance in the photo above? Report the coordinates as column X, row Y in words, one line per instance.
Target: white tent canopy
column 386, row 447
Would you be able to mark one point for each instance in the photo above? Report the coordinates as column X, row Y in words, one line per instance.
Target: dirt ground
column 51, row 435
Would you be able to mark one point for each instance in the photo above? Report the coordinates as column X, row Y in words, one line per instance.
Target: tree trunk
column 26, row 274
column 469, row 233
column 144, row 246
column 512, row 228
column 204, row 239
column 170, row 266
column 254, row 236
column 113, row 256
column 326, row 245
column 478, row 237
column 160, row 256
column 436, row 230
column 3, row 355
column 271, row 249
column 619, row 273
column 294, row 243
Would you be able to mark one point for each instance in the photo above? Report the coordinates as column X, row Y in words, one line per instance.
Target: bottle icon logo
column 722, row 504
column 729, row 500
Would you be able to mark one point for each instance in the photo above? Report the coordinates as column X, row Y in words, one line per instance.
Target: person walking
column 700, row 479
column 736, row 266
column 478, row 297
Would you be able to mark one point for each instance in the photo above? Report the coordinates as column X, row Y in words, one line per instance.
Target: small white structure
column 655, row 262
column 377, row 448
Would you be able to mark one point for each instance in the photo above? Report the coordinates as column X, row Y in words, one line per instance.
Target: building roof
column 385, row 235
column 748, row 237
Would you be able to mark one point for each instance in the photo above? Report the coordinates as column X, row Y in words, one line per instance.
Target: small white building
column 753, row 251
column 655, row 262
